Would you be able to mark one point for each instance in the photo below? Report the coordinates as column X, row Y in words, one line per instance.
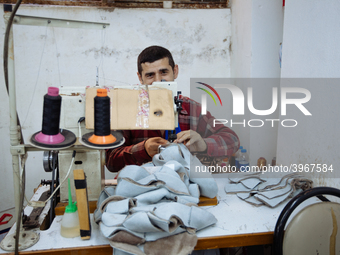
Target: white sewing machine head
column 77, row 102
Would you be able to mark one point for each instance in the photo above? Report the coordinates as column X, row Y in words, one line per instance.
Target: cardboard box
column 124, row 109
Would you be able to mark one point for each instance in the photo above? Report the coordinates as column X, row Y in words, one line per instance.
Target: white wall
column 311, row 47
column 256, row 37
column 311, row 50
column 44, row 56
column 241, row 54
column 241, row 38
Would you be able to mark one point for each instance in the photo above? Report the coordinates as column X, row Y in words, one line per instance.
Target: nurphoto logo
column 238, row 99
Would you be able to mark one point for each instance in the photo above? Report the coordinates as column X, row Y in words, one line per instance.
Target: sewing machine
column 80, row 100
column 92, row 159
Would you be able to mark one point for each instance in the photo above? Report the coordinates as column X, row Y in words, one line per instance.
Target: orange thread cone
column 108, row 139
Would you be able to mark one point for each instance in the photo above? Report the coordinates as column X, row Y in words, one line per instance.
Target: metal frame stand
column 27, row 238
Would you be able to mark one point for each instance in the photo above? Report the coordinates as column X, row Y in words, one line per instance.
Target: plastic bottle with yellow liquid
column 70, row 222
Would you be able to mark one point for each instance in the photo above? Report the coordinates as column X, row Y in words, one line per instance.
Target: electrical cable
column 57, row 183
column 42, row 203
column 37, row 79
column 81, row 119
column 32, row 203
column 57, row 54
column 5, row 54
column 52, row 189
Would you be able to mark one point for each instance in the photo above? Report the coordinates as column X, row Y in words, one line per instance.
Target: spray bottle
column 70, row 222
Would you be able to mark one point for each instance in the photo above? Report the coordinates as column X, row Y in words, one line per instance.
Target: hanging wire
column 123, row 82
column 53, row 199
column 57, row 54
column 37, row 79
column 100, row 64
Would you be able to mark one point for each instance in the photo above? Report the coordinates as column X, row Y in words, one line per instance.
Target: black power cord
column 5, row 53
column 54, row 198
column 6, row 42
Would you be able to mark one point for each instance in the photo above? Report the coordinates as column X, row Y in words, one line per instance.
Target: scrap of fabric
column 265, row 189
column 153, row 209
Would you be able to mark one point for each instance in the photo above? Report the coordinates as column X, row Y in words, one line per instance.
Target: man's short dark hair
column 152, row 54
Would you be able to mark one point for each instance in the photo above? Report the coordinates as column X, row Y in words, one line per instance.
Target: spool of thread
column 102, row 129
column 50, row 133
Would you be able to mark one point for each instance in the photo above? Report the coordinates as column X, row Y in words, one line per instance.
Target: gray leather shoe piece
column 140, row 222
column 173, row 183
column 187, row 200
column 110, row 231
column 205, row 181
column 200, row 219
column 113, row 219
column 193, row 217
column 154, row 203
column 120, row 206
column 194, row 190
column 266, row 189
column 181, row 154
column 133, row 172
column 233, row 188
column 104, row 194
column 177, row 152
column 179, row 169
column 127, row 188
column 167, row 178
column 146, row 208
column 153, row 197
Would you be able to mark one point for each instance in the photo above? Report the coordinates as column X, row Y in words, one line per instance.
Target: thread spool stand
column 27, row 238
column 102, row 137
column 51, row 137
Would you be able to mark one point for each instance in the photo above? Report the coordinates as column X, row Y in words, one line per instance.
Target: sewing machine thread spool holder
column 26, row 239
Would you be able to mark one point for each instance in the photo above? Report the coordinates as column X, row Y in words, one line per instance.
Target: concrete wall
column 308, row 31
column 311, row 50
column 257, row 34
column 44, row 56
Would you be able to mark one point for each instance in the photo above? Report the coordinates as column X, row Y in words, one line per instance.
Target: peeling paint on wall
column 165, row 30
column 208, row 54
column 103, row 51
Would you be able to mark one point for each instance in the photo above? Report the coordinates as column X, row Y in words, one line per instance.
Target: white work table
column 238, row 224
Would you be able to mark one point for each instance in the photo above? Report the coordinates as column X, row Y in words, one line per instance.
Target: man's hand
column 192, row 140
column 151, row 145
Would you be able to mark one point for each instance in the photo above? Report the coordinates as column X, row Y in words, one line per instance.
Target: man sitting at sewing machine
column 155, row 64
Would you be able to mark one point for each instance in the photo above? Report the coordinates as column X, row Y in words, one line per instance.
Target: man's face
column 157, row 71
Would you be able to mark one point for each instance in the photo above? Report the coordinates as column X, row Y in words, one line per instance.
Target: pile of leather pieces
column 153, row 209
column 266, row 189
